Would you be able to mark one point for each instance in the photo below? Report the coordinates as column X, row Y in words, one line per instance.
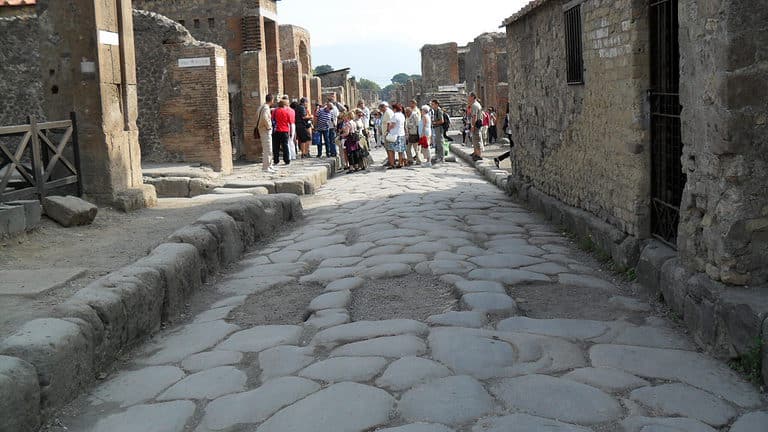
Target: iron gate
column 667, row 177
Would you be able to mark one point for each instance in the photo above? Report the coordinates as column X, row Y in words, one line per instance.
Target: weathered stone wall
column 335, row 79
column 20, row 82
column 724, row 93
column 483, row 64
column 439, row 65
column 585, row 145
column 297, row 61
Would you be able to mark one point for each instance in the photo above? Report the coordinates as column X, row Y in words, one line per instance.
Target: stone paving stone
column 630, row 304
column 557, row 399
column 162, row 417
column 343, row 407
column 691, row 368
column 328, row 318
column 285, row 256
column 382, row 271
column 549, row 268
column 389, row 346
column 338, row 369
column 259, row 271
column 405, row 258
column 317, row 242
column 337, row 251
column 418, row 427
column 369, row 329
column 524, row 423
column 256, row 405
column 448, row 400
column 259, row 338
column 208, row 384
column 654, row 337
column 608, row 380
column 685, row 401
column 661, row 424
column 521, row 250
column 341, row 262
column 563, row 259
column 402, row 241
column 211, row 359
column 509, row 276
column 468, row 352
column 213, row 314
column 346, row 284
column 331, row 300
column 230, row 301
column 489, row 302
column 252, row 285
column 441, row 267
column 505, row 261
column 329, row 274
column 284, row 360
column 752, row 422
column 383, row 250
column 565, row 328
column 450, row 256
column 469, row 319
column 257, row 258
column 466, row 287
column 472, row 251
column 432, row 247
column 585, row 282
column 131, row 388
column 187, row 340
column 381, row 235
column 407, row 372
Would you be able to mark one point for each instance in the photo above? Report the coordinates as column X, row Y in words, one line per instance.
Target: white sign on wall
column 109, row 38
column 87, row 67
column 221, row 62
column 194, row 62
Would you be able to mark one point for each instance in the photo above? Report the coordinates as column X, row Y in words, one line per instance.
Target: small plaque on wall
column 221, row 62
column 109, row 38
column 194, row 62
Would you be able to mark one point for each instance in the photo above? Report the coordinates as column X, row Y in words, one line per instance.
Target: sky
column 378, row 39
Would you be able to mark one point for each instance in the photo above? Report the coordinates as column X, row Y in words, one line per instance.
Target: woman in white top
column 397, row 129
column 425, row 134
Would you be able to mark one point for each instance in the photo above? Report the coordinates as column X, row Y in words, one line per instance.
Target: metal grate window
column 573, row 47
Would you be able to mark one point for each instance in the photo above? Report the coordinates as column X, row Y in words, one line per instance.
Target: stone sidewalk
column 420, row 300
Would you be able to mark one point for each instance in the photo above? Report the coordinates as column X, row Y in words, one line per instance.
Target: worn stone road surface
column 420, row 300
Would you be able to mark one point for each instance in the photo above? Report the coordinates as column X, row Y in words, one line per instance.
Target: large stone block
column 33, row 212
column 225, row 229
column 61, row 351
column 12, row 220
column 204, row 241
column 19, row 396
column 295, row 187
column 182, row 272
column 170, row 187
column 141, row 197
column 652, row 258
column 69, row 211
column 673, row 284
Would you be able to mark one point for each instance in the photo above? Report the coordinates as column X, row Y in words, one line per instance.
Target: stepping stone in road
column 211, row 359
column 643, row 424
column 557, row 399
column 524, row 423
column 188, row 340
column 256, row 405
column 685, row 401
column 390, row 346
column 343, row 407
column 407, row 372
column 469, row 319
column 208, row 384
column 259, row 338
column 130, row 388
column 346, row 284
column 369, row 329
column 331, row 300
column 489, row 302
column 449, row 400
column 337, row 369
column 284, row 360
column 162, row 417
column 607, row 380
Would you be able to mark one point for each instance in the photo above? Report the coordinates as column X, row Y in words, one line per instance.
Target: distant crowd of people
column 411, row 135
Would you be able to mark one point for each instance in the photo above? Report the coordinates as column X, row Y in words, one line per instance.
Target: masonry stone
column 19, row 395
column 69, row 211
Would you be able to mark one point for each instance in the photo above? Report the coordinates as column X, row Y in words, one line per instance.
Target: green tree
column 400, row 78
column 385, row 92
column 365, row 84
column 323, row 69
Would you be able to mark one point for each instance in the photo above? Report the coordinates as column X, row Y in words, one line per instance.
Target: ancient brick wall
column 20, row 82
column 183, row 101
column 439, row 65
column 724, row 93
column 483, row 65
column 585, row 145
column 295, row 48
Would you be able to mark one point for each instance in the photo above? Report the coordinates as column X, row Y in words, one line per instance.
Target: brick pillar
column 253, row 76
column 306, row 86
column 272, row 48
column 316, row 90
column 97, row 79
column 292, row 78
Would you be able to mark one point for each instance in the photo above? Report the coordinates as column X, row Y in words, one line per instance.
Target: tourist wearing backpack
column 438, row 122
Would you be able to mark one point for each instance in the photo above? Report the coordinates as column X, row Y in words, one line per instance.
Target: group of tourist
column 289, row 129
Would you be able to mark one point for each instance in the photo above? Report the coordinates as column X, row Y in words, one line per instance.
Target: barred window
column 196, row 23
column 211, row 23
column 573, row 47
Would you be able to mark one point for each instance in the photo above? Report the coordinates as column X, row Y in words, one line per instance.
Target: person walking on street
column 264, row 128
column 386, row 119
column 396, row 128
column 304, row 127
column 324, row 126
column 285, row 128
column 412, row 119
column 492, row 120
column 475, row 111
column 438, row 122
column 425, row 134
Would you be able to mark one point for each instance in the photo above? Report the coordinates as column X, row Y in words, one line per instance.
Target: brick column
column 292, row 78
column 253, row 76
column 272, row 48
column 316, row 90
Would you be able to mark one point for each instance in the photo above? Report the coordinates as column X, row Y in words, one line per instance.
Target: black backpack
column 446, row 121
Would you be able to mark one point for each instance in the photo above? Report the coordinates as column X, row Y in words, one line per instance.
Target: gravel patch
column 412, row 296
column 282, row 305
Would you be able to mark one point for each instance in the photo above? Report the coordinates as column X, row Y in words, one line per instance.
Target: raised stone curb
column 124, row 307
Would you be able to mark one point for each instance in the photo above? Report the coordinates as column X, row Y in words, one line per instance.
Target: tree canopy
column 323, row 69
column 365, row 84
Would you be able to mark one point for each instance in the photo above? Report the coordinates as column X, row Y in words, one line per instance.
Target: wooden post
column 37, row 163
column 76, row 153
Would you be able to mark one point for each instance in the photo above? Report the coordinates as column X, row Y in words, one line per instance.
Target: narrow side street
column 419, row 300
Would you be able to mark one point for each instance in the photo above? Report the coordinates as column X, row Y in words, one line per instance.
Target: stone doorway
column 667, row 177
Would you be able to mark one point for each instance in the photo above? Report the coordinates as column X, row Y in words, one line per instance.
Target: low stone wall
column 48, row 362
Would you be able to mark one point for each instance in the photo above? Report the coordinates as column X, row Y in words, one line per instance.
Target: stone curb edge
column 50, row 361
column 725, row 320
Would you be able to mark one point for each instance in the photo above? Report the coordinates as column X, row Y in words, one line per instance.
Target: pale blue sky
column 380, row 39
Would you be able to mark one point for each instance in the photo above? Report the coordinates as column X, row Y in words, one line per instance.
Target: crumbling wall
column 724, row 94
column 585, row 145
column 20, row 82
column 482, row 61
column 439, row 65
column 182, row 89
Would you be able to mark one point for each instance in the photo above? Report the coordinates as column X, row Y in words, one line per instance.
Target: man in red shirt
column 285, row 124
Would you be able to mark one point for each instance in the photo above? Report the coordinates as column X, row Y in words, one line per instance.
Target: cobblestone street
column 419, row 300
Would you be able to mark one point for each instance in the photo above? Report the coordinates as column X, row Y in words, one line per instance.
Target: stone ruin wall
column 21, row 85
column 439, row 65
column 724, row 93
column 585, row 145
column 486, row 66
